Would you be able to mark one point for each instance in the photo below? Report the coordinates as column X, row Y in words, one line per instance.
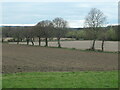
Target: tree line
column 94, row 29
column 44, row 29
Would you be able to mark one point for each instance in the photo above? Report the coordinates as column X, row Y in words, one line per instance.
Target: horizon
column 25, row 25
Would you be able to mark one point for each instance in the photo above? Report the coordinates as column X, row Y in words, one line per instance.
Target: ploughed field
column 23, row 58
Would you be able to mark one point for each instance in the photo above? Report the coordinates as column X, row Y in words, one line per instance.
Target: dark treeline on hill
column 20, row 33
column 77, row 33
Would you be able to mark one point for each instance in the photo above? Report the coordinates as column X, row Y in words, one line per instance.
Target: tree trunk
column 27, row 41
column 17, row 40
column 32, row 41
column 39, row 41
column 93, row 45
column 59, row 45
column 46, row 42
column 2, row 40
column 102, row 46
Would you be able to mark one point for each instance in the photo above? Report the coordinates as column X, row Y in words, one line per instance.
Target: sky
column 74, row 11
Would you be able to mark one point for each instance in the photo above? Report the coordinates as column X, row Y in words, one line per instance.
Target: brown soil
column 22, row 58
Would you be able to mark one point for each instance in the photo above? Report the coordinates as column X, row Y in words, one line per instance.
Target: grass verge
column 83, row 79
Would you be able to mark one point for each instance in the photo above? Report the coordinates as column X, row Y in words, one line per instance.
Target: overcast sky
column 74, row 11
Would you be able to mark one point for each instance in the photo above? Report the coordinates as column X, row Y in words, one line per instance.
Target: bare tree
column 93, row 21
column 46, row 28
column 102, row 36
column 60, row 25
column 40, row 31
column 28, row 34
